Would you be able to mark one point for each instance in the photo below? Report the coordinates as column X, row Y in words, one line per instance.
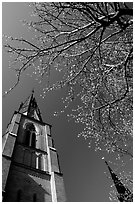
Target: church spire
column 30, row 108
column 124, row 194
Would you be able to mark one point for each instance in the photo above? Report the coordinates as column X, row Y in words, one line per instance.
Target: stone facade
column 31, row 171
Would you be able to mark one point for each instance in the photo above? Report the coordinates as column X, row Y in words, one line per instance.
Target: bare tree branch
column 91, row 43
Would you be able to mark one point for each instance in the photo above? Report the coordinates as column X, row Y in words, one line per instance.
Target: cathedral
column 30, row 163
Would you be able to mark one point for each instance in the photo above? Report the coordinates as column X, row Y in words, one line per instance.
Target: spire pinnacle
column 124, row 194
column 30, row 107
column 33, row 91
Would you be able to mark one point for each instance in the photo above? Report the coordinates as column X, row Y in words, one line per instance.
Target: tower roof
column 30, row 107
column 124, row 194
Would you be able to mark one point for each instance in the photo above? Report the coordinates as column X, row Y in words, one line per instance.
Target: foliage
column 90, row 46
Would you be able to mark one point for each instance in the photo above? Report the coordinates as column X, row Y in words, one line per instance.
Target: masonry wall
column 30, row 183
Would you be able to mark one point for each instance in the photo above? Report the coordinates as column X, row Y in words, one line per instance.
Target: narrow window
column 19, row 195
column 41, row 162
column 33, row 142
column 27, row 138
column 30, row 135
column 34, row 197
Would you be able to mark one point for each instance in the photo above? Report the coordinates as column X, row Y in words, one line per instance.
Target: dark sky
column 83, row 168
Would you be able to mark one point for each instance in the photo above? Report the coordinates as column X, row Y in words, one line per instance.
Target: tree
column 90, row 45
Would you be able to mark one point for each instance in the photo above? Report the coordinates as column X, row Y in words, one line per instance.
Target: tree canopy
column 90, row 45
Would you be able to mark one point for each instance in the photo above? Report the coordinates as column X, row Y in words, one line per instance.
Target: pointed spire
column 30, row 107
column 124, row 194
column 33, row 107
column 32, row 93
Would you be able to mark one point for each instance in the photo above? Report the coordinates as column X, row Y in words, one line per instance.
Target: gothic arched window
column 30, row 135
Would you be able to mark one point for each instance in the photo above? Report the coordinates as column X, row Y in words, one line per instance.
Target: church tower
column 31, row 171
